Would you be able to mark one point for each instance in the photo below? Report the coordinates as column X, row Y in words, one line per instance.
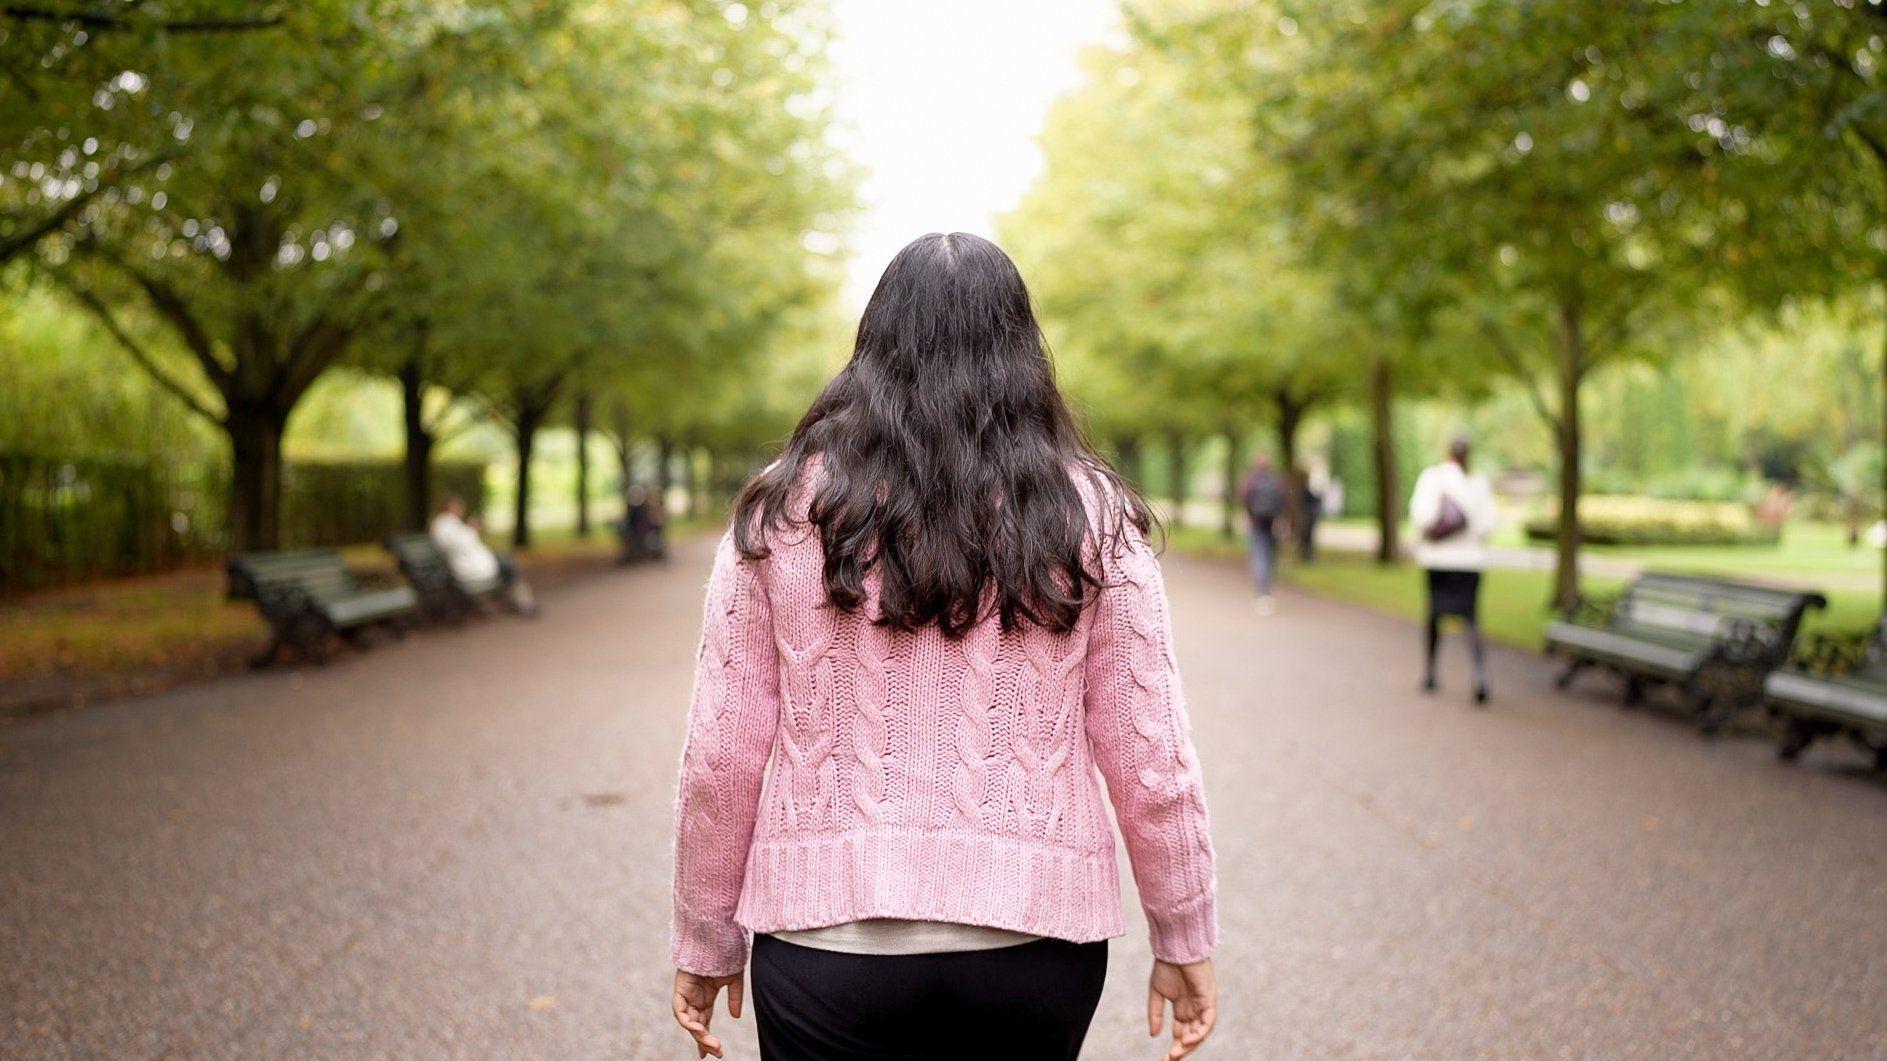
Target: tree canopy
column 509, row 199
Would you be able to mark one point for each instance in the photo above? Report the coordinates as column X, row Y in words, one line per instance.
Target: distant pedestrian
column 1333, row 497
column 641, row 529
column 1310, row 506
column 1266, row 498
column 1453, row 512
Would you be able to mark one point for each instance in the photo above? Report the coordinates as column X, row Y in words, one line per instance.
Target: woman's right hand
column 1194, row 994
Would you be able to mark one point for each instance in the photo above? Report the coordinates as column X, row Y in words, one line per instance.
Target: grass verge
column 114, row 637
column 1513, row 602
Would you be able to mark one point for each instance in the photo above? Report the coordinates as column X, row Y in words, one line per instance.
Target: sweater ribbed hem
column 1186, row 933
column 961, row 877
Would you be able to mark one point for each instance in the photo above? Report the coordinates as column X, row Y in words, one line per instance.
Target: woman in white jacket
column 1452, row 513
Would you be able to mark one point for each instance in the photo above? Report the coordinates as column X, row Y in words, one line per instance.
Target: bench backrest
column 422, row 561
column 415, row 549
column 319, row 573
column 1713, row 608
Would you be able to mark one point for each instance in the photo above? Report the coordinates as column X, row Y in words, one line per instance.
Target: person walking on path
column 1311, row 506
column 1266, row 497
column 1452, row 512
column 932, row 621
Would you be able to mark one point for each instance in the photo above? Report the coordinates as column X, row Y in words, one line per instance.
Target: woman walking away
column 933, row 620
column 1265, row 497
column 1453, row 513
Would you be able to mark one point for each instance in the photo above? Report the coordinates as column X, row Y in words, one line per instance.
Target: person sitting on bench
column 472, row 560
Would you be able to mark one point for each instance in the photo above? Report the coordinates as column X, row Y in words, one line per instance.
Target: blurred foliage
column 1625, row 223
column 509, row 200
column 64, row 390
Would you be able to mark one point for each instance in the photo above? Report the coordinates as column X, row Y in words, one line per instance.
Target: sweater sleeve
column 1142, row 742
column 731, row 724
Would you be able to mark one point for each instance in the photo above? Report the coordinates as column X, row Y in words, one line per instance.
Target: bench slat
column 1850, row 700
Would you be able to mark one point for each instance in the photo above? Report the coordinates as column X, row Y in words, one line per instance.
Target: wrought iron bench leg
column 1797, row 735
column 278, row 636
column 311, row 639
column 1634, row 690
column 1573, row 667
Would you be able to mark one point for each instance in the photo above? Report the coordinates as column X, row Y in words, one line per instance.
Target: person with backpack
column 1265, row 498
column 1452, row 512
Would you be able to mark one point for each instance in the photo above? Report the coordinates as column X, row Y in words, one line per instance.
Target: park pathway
column 458, row 847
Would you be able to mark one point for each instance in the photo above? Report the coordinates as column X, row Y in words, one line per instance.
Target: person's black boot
column 1428, row 683
column 1480, row 694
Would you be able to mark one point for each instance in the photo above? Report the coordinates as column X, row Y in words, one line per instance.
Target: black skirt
column 1454, row 593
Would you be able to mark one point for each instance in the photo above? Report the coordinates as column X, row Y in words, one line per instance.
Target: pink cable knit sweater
column 836, row 770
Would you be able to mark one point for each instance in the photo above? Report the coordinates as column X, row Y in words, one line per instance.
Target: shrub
column 1628, row 520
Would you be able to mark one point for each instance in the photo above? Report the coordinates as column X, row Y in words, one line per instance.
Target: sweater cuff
column 710, row 947
column 1186, row 933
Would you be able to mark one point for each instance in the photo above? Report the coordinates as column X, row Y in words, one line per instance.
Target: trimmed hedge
column 345, row 502
column 67, row 519
column 63, row 520
column 1620, row 520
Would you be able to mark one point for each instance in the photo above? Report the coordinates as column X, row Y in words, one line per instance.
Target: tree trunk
column 1566, row 534
column 1234, row 469
column 625, row 449
column 664, row 468
column 1176, row 476
column 1883, row 463
column 419, row 445
column 529, row 417
column 691, row 482
column 1383, row 435
column 581, row 416
column 1290, row 419
column 255, row 476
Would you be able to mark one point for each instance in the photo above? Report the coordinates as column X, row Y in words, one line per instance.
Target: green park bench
column 1837, row 686
column 1713, row 640
column 442, row 593
column 309, row 594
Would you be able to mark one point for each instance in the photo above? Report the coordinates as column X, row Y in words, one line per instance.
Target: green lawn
column 1513, row 603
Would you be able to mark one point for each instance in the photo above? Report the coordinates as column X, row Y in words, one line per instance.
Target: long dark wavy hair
column 950, row 464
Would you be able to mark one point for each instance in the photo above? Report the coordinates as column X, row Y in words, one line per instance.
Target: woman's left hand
column 694, row 1006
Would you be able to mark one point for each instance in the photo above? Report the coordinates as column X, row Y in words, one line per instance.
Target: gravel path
column 458, row 847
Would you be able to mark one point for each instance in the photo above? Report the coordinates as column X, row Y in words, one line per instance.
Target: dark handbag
column 1450, row 520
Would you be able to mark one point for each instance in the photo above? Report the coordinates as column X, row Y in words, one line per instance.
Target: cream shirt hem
column 891, row 935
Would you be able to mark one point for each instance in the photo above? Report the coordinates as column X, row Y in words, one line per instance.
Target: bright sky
column 940, row 101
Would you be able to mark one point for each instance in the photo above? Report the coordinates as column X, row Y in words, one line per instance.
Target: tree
column 627, row 180
column 1191, row 310
column 257, row 245
column 72, row 61
column 1789, row 104
column 1516, row 150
